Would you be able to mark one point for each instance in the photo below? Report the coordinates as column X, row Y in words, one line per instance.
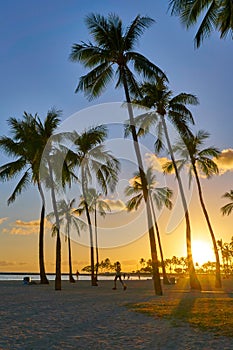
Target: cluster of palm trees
column 227, row 255
column 46, row 160
column 43, row 159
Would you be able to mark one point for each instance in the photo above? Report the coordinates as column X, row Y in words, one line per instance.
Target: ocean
column 65, row 277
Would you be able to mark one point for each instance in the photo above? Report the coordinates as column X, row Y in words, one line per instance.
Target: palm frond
column 133, row 203
column 90, row 55
column 145, row 67
column 184, row 99
column 207, row 25
column 227, row 209
column 135, row 30
column 209, row 152
column 99, row 28
column 95, row 82
column 143, row 123
column 20, row 187
column 162, row 196
column 168, row 167
column 225, row 19
column 208, row 166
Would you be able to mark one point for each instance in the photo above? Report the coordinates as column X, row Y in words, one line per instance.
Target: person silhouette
column 118, row 275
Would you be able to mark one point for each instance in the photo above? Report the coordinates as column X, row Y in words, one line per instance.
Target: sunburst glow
column 202, row 252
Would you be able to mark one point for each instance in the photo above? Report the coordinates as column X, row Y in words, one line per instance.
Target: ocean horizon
column 35, row 276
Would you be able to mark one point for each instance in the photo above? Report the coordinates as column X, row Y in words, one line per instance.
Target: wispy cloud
column 23, row 228
column 155, row 162
column 3, row 219
column 225, row 161
column 115, row 204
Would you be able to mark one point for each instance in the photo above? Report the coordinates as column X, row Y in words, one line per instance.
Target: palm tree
column 142, row 262
column 51, row 162
column 158, row 96
column 158, row 195
column 200, row 159
column 27, row 149
column 227, row 209
column 96, row 204
column 67, row 219
column 215, row 14
column 93, row 160
column 114, row 47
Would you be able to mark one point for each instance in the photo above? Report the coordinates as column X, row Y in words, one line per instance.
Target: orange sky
column 19, row 239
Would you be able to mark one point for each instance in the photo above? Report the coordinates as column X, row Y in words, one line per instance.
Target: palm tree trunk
column 58, row 242
column 71, row 278
column 165, row 278
column 84, row 189
column 218, row 283
column 96, row 245
column 154, row 256
column 43, row 277
column 194, row 282
column 93, row 281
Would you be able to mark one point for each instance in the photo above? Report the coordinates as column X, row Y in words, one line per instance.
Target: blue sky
column 36, row 74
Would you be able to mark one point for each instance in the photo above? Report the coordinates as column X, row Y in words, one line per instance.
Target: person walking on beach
column 118, row 275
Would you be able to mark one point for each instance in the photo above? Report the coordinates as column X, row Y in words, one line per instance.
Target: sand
column 85, row 317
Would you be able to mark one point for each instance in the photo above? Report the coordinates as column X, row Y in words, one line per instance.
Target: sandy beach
column 85, row 317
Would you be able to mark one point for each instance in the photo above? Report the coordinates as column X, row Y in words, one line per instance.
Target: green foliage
column 213, row 15
column 113, row 47
column 227, row 209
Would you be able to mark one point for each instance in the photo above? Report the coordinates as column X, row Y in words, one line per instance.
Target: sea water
column 65, row 277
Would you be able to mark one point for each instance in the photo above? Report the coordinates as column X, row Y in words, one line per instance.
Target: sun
column 202, row 252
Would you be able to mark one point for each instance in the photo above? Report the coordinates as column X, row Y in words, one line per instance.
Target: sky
column 36, row 74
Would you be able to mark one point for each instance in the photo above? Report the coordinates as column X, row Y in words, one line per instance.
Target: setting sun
column 202, row 252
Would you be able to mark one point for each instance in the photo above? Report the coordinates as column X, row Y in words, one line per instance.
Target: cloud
column 225, row 161
column 34, row 223
column 116, row 204
column 24, row 228
column 3, row 219
column 155, row 162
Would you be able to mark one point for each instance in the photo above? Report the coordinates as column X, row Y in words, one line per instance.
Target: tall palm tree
column 200, row 159
column 114, row 47
column 227, row 209
column 174, row 108
column 214, row 14
column 67, row 219
column 93, row 161
column 27, row 149
column 158, row 195
column 50, row 161
column 96, row 205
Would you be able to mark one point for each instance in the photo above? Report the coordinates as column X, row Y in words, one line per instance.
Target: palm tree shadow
column 183, row 311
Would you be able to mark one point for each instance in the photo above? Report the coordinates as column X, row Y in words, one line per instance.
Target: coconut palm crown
column 113, row 47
